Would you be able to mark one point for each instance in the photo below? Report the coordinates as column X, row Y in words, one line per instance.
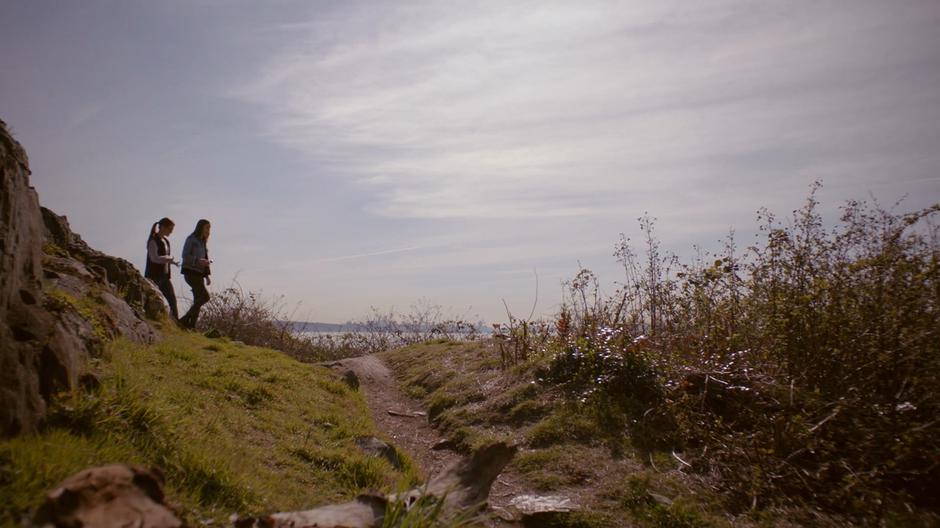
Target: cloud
column 573, row 109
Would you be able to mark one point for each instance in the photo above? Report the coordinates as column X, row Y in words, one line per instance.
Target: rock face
column 22, row 319
column 59, row 299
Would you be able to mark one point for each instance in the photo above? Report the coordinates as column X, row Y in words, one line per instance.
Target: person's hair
column 199, row 228
column 163, row 222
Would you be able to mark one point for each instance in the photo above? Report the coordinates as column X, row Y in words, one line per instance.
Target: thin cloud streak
column 365, row 255
column 310, row 263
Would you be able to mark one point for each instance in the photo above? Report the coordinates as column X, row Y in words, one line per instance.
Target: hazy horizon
column 369, row 154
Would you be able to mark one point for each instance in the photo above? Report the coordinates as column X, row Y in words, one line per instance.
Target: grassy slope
column 234, row 428
column 564, row 450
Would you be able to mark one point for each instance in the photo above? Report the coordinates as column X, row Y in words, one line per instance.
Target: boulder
column 108, row 496
column 123, row 321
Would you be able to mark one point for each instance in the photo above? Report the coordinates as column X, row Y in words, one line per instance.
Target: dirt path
column 399, row 417
column 407, row 425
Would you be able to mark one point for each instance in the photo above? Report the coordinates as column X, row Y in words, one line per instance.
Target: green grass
column 90, row 307
column 565, row 425
column 568, row 446
column 636, row 494
column 555, row 467
column 438, row 372
column 234, row 428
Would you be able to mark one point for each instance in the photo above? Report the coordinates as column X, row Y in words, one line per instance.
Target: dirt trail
column 398, row 416
column 408, row 428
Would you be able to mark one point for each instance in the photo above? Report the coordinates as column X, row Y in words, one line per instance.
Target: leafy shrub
column 608, row 369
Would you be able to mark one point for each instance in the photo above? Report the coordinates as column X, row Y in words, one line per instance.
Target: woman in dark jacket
column 159, row 259
column 196, row 270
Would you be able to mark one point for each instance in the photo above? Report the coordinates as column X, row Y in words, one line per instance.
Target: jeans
column 166, row 288
column 200, row 297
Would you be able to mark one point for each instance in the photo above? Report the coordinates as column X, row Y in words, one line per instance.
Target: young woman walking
column 196, row 270
column 159, row 259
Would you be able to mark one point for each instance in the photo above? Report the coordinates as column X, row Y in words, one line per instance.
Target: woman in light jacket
column 196, row 270
column 159, row 259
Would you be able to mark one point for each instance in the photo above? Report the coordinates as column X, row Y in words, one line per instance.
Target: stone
column 371, row 445
column 125, row 322
column 538, row 510
column 445, row 444
column 106, row 496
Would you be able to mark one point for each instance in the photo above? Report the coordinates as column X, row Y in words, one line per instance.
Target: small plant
column 427, row 511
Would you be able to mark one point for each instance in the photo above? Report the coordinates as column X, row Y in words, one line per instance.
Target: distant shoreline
column 310, row 327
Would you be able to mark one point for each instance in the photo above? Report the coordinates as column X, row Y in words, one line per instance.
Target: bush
column 424, row 323
column 254, row 320
column 608, row 369
column 805, row 370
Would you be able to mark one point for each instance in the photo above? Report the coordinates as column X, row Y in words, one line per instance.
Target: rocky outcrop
column 72, row 267
column 119, row 274
column 60, row 300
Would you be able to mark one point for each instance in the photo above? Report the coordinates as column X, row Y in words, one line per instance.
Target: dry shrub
column 424, row 322
column 804, row 371
column 255, row 320
column 260, row 321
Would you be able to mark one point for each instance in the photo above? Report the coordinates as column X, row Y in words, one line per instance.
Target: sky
column 357, row 155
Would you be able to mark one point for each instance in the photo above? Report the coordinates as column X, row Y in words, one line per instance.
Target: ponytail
column 163, row 222
column 153, row 231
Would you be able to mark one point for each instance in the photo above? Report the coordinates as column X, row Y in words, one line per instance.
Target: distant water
column 316, row 334
column 338, row 335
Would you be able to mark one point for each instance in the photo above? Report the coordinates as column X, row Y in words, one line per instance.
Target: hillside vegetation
column 794, row 381
column 234, row 428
